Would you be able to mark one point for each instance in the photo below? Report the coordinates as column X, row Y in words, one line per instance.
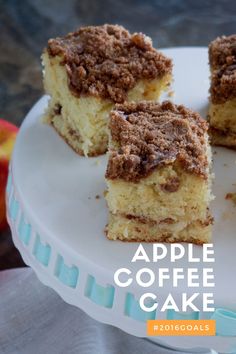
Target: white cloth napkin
column 35, row 320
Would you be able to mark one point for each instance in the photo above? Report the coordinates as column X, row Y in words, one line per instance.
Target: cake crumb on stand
column 231, row 196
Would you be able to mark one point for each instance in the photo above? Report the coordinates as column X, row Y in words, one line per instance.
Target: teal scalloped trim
column 24, row 231
column 9, row 184
column 103, row 296
column 14, row 207
column 67, row 275
column 225, row 322
column 42, row 252
column 173, row 315
column 133, row 309
column 233, row 349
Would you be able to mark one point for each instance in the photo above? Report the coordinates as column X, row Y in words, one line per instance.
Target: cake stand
column 57, row 214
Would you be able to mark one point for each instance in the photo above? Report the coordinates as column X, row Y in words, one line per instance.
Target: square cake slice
column 158, row 174
column 88, row 71
column 222, row 109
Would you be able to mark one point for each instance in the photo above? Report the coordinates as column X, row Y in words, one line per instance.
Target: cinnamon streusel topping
column 223, row 84
column 222, row 51
column 151, row 135
column 107, row 61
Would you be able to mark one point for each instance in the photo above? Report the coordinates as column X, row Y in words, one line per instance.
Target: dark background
column 25, row 27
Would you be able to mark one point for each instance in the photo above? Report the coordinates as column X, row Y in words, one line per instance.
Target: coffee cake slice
column 88, row 71
column 158, row 174
column 222, row 109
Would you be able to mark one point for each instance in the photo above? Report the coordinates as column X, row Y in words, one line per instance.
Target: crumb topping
column 231, row 196
column 107, row 61
column 150, row 135
column 222, row 51
column 223, row 84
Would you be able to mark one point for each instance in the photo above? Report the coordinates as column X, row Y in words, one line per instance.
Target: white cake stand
column 57, row 215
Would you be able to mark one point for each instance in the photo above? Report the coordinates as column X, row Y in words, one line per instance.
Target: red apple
column 8, row 133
